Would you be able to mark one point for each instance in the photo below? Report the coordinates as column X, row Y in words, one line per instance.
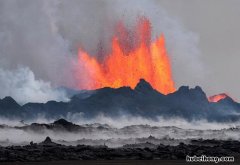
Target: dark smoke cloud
column 44, row 36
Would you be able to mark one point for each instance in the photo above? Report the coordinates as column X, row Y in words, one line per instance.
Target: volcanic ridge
column 143, row 100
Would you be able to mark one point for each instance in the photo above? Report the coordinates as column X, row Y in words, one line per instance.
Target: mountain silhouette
column 143, row 101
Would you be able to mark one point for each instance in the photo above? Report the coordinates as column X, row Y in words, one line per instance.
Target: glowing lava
column 128, row 62
column 216, row 98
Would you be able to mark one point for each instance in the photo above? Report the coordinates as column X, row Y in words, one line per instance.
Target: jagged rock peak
column 198, row 91
column 62, row 122
column 198, row 88
column 143, row 85
column 226, row 100
column 9, row 102
column 194, row 93
column 186, row 89
column 183, row 89
column 9, row 99
column 47, row 140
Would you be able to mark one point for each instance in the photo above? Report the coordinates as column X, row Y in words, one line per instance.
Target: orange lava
column 129, row 62
column 216, row 98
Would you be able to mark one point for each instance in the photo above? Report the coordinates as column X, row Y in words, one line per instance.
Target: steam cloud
column 22, row 85
column 123, row 130
column 46, row 36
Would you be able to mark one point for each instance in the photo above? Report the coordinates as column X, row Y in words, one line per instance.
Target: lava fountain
column 129, row 61
column 216, row 98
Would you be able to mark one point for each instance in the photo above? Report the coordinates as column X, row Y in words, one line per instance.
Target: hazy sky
column 218, row 26
column 39, row 40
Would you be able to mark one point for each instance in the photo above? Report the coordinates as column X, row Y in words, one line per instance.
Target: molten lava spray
column 132, row 57
column 216, row 98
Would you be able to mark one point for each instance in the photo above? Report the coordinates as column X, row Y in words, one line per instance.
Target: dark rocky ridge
column 49, row 151
column 144, row 101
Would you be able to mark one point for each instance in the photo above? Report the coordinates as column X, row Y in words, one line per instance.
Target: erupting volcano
column 133, row 56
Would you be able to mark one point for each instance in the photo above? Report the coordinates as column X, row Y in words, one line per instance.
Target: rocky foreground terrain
column 67, row 133
column 100, row 142
column 50, row 151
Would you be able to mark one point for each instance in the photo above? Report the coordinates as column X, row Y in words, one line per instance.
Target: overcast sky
column 202, row 38
column 218, row 26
